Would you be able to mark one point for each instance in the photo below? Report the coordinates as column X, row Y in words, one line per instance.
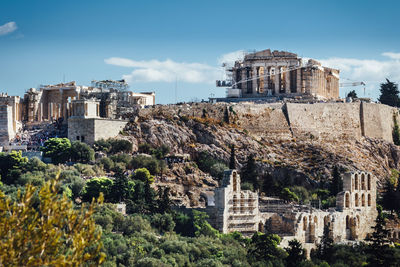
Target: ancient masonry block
column 243, row 211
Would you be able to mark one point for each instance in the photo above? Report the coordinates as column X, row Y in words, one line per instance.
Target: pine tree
column 249, row 172
column 352, row 94
column 325, row 248
column 164, row 202
column 337, row 182
column 389, row 94
column 296, row 253
column 379, row 251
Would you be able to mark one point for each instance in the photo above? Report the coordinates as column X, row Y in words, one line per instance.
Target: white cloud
column 391, row 55
column 166, row 71
column 8, row 28
column 230, row 58
column 371, row 71
column 368, row 70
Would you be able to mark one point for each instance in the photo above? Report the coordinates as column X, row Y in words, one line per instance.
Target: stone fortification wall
column 263, row 120
column 325, row 120
column 93, row 129
column 377, row 120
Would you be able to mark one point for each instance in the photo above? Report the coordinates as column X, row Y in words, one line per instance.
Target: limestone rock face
column 265, row 132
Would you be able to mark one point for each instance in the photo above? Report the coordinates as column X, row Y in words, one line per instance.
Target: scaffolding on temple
column 120, row 85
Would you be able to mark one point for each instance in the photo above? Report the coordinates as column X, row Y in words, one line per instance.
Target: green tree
column 249, row 172
column 288, row 195
column 217, row 170
column 122, row 189
column 352, row 94
column 389, row 94
column 296, row 253
column 391, row 192
column 11, row 165
column 58, row 149
column 232, row 161
column 143, row 175
column 95, row 186
column 153, row 165
column 51, row 233
column 145, row 148
column 160, row 152
column 379, row 251
column 202, row 226
column 164, row 201
column 337, row 182
column 325, row 248
column 81, row 152
column 264, row 248
column 163, row 222
column 120, row 145
column 102, row 145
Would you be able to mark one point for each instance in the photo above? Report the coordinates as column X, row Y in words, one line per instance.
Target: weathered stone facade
column 281, row 73
column 59, row 102
column 243, row 211
column 52, row 102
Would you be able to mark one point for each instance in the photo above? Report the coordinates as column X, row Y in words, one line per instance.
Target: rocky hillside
column 304, row 160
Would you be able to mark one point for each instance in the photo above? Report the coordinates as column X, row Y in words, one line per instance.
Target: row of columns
column 280, row 78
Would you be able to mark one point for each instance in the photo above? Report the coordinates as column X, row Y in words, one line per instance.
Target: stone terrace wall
column 263, row 120
column 377, row 120
column 325, row 120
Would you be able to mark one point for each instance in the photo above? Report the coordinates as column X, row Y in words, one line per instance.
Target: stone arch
column 369, row 200
column 363, row 181
column 352, row 183
column 369, row 181
column 347, row 200
column 356, row 181
column 356, row 200
column 316, row 220
column 305, row 223
column 326, row 220
column 347, row 222
column 363, row 200
column 234, row 182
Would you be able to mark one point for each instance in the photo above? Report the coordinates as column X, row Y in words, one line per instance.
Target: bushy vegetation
column 152, row 233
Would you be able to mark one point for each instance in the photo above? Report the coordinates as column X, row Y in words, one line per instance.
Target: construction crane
column 351, row 84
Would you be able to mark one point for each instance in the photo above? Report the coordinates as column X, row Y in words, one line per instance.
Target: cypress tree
column 232, row 162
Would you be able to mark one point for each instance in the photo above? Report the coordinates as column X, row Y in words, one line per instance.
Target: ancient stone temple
column 60, row 102
column 244, row 211
column 280, row 73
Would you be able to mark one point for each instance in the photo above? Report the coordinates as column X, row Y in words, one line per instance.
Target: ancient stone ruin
column 280, row 74
column 92, row 112
column 244, row 211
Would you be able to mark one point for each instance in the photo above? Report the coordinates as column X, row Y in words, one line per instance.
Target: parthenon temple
column 280, row 73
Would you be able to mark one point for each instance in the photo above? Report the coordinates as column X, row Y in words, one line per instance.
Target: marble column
column 276, row 77
column 287, row 80
column 254, row 80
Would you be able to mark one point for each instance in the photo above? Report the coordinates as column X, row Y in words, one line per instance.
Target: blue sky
column 155, row 43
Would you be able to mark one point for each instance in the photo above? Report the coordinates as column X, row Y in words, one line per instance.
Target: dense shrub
column 153, row 165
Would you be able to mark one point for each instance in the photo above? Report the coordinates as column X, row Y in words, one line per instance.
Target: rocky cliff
column 301, row 143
